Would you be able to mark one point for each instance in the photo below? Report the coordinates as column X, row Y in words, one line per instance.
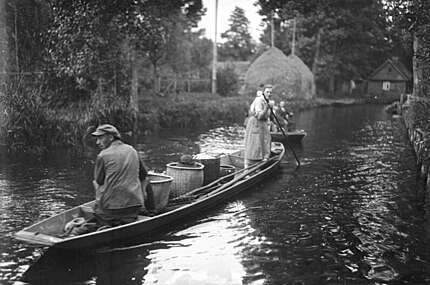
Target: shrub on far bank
column 227, row 82
column 30, row 126
column 190, row 110
column 24, row 119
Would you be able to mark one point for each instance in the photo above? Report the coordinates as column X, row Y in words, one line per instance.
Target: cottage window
column 386, row 85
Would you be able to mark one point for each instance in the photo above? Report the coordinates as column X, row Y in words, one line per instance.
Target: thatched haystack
column 290, row 75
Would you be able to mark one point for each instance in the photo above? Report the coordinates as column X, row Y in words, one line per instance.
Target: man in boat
column 119, row 176
column 257, row 134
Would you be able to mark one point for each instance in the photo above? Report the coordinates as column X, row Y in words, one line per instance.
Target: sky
column 225, row 9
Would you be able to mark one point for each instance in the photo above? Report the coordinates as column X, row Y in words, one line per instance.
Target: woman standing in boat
column 257, row 134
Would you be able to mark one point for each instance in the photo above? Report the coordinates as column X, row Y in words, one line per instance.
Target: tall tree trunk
column 3, row 39
column 134, row 90
column 415, row 69
column 215, row 51
column 317, row 51
column 16, row 41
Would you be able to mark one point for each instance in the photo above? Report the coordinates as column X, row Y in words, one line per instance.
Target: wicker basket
column 161, row 187
column 226, row 170
column 185, row 178
column 211, row 170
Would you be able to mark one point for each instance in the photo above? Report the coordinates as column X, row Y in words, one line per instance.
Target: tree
column 238, row 45
column 341, row 40
column 201, row 51
column 25, row 22
column 411, row 26
column 97, row 43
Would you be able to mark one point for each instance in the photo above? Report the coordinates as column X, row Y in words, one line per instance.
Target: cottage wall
column 395, row 88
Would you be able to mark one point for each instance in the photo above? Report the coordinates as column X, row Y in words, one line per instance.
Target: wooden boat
column 47, row 232
column 393, row 108
column 293, row 137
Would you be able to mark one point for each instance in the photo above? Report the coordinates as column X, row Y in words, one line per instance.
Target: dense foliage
column 100, row 57
column 26, row 23
column 339, row 40
column 411, row 23
column 227, row 81
column 98, row 43
column 88, row 53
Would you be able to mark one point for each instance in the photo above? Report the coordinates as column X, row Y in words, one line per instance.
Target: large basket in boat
column 211, row 170
column 185, row 178
column 161, row 187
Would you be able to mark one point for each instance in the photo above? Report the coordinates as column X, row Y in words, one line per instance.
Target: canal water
column 352, row 213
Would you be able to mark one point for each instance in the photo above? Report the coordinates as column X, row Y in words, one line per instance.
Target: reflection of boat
column 47, row 232
column 292, row 137
column 82, row 267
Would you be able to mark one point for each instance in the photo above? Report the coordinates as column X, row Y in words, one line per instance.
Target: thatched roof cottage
column 289, row 74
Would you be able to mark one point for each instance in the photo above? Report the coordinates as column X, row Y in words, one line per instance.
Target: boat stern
column 37, row 238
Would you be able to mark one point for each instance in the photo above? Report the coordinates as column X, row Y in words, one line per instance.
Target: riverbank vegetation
column 143, row 65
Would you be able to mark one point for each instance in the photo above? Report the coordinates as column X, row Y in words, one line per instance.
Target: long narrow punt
column 47, row 232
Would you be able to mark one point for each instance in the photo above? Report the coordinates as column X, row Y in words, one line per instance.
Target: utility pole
column 214, row 59
column 272, row 31
column 293, row 45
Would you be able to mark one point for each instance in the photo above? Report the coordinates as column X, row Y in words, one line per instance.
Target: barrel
column 226, row 170
column 185, row 178
column 211, row 170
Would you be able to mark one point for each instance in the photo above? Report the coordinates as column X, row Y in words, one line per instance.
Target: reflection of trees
column 342, row 216
column 38, row 188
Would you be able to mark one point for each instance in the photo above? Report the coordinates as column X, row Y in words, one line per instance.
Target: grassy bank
column 190, row 110
column 207, row 110
column 49, row 128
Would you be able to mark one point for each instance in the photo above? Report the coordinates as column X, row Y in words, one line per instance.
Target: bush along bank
column 416, row 115
column 205, row 110
column 40, row 128
column 190, row 111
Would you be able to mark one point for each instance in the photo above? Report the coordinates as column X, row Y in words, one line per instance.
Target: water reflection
column 210, row 251
column 119, row 266
column 353, row 213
